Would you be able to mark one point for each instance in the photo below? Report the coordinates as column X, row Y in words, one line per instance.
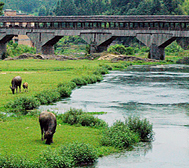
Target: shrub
column 90, row 79
column 52, row 159
column 90, row 120
column 119, row 136
column 3, row 117
column 48, row 96
column 119, row 48
column 119, row 66
column 80, row 152
column 129, row 51
column 17, row 162
column 71, row 85
column 70, row 116
column 108, row 67
column 101, row 71
column 79, row 81
column 77, row 116
column 23, row 104
column 142, row 127
column 64, row 91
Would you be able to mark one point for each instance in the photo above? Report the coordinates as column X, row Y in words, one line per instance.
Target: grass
column 22, row 137
column 40, row 75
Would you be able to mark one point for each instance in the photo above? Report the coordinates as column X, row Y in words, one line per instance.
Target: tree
column 42, row 11
column 1, row 8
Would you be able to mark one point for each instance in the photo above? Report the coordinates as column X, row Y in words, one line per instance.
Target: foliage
column 71, row 85
column 101, row 71
column 122, row 135
column 80, row 153
column 121, row 49
column 119, row 136
column 97, row 7
column 17, row 162
column 173, row 48
column 64, row 91
column 141, row 126
column 3, row 117
column 70, row 155
column 1, row 8
column 13, row 49
column 78, row 117
column 48, row 96
column 117, row 48
column 79, row 81
column 22, row 104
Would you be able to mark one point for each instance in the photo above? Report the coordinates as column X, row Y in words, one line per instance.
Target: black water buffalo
column 25, row 86
column 16, row 82
column 48, row 124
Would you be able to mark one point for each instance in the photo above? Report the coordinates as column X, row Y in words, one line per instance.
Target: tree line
column 99, row 7
column 116, row 7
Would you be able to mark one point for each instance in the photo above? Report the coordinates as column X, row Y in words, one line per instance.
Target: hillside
column 98, row 7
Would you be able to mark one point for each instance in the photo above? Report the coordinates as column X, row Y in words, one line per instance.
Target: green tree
column 42, row 11
column 1, row 8
column 65, row 8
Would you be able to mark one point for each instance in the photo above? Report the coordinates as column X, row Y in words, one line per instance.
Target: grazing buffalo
column 16, row 82
column 48, row 124
column 25, row 86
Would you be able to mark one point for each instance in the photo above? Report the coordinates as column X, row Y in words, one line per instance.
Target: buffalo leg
column 42, row 134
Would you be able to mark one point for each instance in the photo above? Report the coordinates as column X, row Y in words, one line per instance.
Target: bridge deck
column 100, row 18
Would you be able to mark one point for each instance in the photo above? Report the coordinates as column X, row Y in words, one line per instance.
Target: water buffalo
column 25, row 86
column 48, row 124
column 16, row 82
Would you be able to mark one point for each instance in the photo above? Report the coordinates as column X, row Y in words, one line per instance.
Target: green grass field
column 21, row 137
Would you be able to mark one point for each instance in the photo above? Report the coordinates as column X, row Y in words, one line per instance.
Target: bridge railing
column 80, row 26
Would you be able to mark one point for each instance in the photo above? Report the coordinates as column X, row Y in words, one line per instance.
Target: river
column 159, row 93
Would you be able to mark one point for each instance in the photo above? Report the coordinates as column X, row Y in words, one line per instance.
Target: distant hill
column 28, row 6
column 98, row 7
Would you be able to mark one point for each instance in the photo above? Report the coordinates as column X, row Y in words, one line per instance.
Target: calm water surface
column 160, row 94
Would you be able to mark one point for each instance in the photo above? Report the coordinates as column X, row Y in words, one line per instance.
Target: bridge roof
column 99, row 18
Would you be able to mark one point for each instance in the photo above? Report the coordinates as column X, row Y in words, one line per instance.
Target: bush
column 119, row 136
column 78, row 117
column 64, row 91
column 101, row 71
column 108, row 67
column 129, row 51
column 3, row 117
column 90, row 120
column 48, row 96
column 71, row 85
column 79, row 81
column 17, row 162
column 52, row 159
column 80, row 152
column 142, row 127
column 90, row 79
column 117, row 48
column 22, row 104
column 70, row 116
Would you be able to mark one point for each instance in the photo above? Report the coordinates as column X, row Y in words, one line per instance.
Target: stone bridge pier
column 4, row 38
column 157, row 43
column 44, row 42
column 98, row 41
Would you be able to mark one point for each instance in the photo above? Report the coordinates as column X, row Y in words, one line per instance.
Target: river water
column 159, row 93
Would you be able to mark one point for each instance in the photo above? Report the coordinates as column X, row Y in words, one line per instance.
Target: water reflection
column 158, row 93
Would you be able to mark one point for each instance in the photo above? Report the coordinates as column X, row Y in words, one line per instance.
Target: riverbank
column 43, row 75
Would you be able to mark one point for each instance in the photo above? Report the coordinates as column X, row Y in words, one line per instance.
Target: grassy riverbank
column 20, row 136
